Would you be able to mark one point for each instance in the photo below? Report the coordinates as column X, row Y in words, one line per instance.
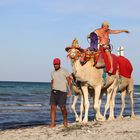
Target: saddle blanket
column 125, row 66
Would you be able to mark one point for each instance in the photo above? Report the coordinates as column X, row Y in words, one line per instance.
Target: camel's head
column 74, row 51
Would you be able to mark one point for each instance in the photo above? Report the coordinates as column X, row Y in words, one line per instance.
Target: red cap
column 56, row 61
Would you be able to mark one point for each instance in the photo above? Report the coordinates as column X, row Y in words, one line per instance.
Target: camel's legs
column 73, row 107
column 132, row 104
column 131, row 93
column 100, row 101
column 96, row 103
column 86, row 103
column 81, row 108
column 108, row 94
column 123, row 94
column 112, row 104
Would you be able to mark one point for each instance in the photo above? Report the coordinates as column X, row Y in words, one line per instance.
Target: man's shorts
column 107, row 48
column 58, row 98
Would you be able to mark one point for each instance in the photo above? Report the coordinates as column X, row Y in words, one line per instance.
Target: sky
column 34, row 32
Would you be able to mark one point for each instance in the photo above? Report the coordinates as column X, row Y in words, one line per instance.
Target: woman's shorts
column 58, row 98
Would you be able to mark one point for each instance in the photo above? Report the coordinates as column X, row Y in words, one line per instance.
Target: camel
column 78, row 93
column 125, row 85
column 90, row 76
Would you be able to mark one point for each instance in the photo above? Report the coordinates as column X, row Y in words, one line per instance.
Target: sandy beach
column 119, row 129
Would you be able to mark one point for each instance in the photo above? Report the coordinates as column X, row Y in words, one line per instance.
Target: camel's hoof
column 77, row 119
column 84, row 123
column 111, row 119
column 80, row 120
column 120, row 117
column 100, row 119
column 133, row 116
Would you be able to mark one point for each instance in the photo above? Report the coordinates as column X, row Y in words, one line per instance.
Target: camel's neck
column 76, row 66
column 84, row 72
column 77, row 69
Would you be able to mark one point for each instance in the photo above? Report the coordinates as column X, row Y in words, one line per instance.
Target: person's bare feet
column 65, row 123
column 51, row 125
column 110, row 71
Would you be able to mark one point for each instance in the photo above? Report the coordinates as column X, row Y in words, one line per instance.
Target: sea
column 26, row 104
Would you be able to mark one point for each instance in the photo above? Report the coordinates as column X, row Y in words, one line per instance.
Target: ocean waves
column 26, row 104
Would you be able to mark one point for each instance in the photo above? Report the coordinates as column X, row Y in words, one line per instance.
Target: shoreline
column 119, row 129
